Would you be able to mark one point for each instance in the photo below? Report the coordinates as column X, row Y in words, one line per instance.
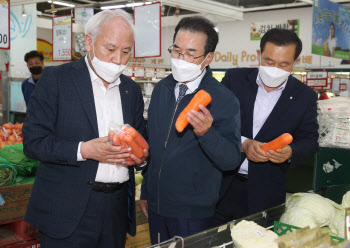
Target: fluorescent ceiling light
column 133, row 4
column 61, row 3
column 113, row 7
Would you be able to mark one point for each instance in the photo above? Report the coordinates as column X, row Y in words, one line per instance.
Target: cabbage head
column 299, row 217
column 337, row 225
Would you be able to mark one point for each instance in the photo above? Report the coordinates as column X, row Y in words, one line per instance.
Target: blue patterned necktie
column 182, row 92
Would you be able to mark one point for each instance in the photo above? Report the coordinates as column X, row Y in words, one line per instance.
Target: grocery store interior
column 240, row 24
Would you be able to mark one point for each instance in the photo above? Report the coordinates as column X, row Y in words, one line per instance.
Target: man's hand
column 144, row 207
column 200, row 120
column 136, row 160
column 280, row 155
column 98, row 149
column 252, row 150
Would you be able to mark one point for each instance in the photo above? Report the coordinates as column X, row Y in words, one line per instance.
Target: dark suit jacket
column 62, row 113
column 295, row 112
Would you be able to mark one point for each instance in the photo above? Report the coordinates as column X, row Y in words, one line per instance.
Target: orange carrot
column 278, row 143
column 116, row 140
column 136, row 150
column 201, row 97
column 140, row 141
column 124, row 144
column 111, row 134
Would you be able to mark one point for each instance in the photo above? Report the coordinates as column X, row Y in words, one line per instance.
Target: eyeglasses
column 175, row 53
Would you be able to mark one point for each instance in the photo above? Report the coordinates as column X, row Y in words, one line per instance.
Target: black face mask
column 36, row 70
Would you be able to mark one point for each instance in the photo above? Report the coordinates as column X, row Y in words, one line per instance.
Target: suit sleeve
column 222, row 143
column 40, row 141
column 305, row 142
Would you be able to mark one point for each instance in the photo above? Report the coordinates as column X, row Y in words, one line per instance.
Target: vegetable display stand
column 331, row 172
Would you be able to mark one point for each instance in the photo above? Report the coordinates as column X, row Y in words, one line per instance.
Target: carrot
column 201, row 97
column 140, row 141
column 123, row 143
column 136, row 150
column 116, row 140
column 111, row 134
column 277, row 143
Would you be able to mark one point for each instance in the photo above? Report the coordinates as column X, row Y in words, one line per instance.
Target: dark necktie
column 182, row 92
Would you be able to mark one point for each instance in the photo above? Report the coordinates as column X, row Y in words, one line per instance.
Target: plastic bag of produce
column 24, row 166
column 346, row 200
column 127, row 136
column 7, row 173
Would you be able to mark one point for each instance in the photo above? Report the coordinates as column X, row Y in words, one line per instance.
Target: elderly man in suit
column 83, row 195
column 272, row 102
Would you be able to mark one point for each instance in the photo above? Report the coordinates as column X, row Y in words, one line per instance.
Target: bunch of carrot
column 127, row 136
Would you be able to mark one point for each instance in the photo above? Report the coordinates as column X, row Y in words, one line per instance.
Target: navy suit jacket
column 62, row 113
column 295, row 112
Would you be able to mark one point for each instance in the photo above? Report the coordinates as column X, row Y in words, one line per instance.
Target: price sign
column 62, row 38
column 160, row 73
column 128, row 71
column 318, row 80
column 149, row 72
column 5, row 24
column 139, row 71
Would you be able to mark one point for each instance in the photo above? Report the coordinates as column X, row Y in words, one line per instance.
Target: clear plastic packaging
column 127, row 136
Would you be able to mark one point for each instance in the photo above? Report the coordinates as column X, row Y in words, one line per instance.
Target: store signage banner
column 62, row 38
column 147, row 19
column 5, row 24
column 258, row 29
column 330, row 29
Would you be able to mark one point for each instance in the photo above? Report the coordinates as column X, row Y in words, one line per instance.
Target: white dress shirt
column 192, row 86
column 264, row 104
column 109, row 113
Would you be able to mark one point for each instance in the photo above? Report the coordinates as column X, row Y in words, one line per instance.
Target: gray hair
column 97, row 22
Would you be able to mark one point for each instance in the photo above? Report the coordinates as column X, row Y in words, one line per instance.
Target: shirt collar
column 96, row 79
column 260, row 84
column 31, row 79
column 193, row 85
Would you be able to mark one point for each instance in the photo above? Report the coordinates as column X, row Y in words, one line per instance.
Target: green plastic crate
column 280, row 228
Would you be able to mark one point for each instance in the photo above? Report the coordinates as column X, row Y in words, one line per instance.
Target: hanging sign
column 257, row 30
column 62, row 38
column 5, row 24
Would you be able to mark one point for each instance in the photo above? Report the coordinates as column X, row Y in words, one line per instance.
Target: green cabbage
column 337, row 225
column 299, row 216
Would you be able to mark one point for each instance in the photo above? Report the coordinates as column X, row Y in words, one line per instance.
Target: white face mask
column 272, row 76
column 109, row 72
column 184, row 71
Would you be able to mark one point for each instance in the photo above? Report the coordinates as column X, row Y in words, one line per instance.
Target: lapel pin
column 291, row 98
column 126, row 92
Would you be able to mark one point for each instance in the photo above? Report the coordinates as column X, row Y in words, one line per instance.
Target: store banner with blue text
column 330, row 29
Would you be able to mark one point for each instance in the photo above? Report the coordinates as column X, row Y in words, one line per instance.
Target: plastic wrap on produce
column 334, row 122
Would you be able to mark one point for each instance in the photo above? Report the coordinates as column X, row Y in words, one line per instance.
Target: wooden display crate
column 16, row 199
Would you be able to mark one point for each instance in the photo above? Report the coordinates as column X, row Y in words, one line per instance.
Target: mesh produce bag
column 14, row 154
column 334, row 122
column 7, row 173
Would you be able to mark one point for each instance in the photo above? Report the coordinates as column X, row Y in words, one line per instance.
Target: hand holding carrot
column 280, row 155
column 200, row 120
column 252, row 150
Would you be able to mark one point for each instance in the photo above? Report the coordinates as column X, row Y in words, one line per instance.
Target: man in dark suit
column 83, row 195
column 272, row 103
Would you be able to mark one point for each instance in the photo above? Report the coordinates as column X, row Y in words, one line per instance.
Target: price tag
column 5, row 24
column 62, row 38
column 260, row 234
column 128, row 71
column 139, row 71
column 160, row 73
column 149, row 72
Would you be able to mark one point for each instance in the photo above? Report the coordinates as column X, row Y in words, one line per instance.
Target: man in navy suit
column 83, row 195
column 272, row 102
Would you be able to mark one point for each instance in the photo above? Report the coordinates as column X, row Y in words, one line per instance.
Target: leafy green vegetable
column 7, row 173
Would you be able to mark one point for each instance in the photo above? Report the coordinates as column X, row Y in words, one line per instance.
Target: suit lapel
column 250, row 99
column 125, row 99
column 82, row 81
column 281, row 109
